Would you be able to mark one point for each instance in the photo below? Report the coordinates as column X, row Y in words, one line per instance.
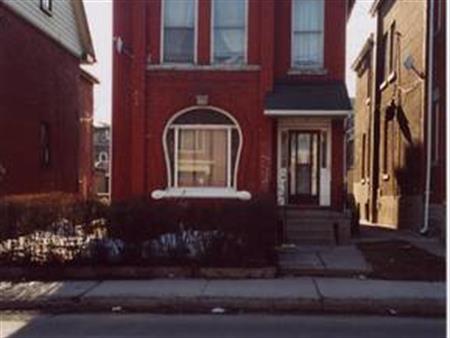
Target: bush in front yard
column 219, row 233
column 23, row 214
column 60, row 229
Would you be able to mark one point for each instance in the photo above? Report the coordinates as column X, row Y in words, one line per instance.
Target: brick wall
column 39, row 83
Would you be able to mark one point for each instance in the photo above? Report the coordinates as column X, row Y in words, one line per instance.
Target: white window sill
column 307, row 71
column 228, row 193
column 217, row 67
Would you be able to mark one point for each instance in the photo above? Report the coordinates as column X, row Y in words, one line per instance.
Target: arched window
column 202, row 149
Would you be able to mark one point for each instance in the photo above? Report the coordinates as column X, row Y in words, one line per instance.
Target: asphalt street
column 114, row 325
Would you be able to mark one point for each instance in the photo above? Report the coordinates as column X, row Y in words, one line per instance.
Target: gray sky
column 99, row 14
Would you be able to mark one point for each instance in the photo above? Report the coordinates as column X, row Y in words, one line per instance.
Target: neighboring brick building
column 395, row 84
column 102, row 158
column 86, row 164
column 218, row 99
column 46, row 100
column 362, row 159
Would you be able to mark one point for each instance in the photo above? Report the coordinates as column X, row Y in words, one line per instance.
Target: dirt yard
column 400, row 260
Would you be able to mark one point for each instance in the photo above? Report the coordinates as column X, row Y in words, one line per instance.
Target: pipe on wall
column 426, row 219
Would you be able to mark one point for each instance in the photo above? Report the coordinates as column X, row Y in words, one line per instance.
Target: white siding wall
column 61, row 26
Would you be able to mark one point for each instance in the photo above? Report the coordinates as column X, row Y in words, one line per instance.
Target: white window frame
column 225, row 127
column 211, row 55
column 195, row 51
column 314, row 67
column 202, row 192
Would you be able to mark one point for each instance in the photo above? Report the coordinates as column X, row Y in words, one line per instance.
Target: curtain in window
column 179, row 19
column 229, row 31
column 308, row 23
column 202, row 158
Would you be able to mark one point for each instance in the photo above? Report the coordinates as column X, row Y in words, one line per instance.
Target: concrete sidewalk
column 299, row 295
column 323, row 261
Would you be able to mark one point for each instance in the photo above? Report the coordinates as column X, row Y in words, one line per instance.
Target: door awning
column 313, row 99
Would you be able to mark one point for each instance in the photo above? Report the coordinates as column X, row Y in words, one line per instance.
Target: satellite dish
column 119, row 44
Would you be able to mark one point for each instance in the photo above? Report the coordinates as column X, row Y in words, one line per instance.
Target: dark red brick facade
column 39, row 85
column 146, row 95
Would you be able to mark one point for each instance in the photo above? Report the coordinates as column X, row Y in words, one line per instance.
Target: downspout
column 424, row 229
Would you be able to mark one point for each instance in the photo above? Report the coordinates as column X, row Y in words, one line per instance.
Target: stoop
column 315, row 226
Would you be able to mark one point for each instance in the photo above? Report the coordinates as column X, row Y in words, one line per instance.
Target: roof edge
column 375, row 6
column 88, row 56
column 368, row 45
column 88, row 76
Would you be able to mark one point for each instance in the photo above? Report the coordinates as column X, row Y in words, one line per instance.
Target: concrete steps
column 313, row 226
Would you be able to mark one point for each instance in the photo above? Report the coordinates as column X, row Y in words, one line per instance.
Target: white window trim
column 206, row 193
column 220, row 127
column 295, row 68
column 201, row 192
column 161, row 51
column 305, row 124
column 211, row 55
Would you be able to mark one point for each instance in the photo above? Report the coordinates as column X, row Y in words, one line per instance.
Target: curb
column 133, row 272
column 195, row 305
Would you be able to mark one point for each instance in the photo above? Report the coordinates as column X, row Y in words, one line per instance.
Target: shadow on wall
column 409, row 176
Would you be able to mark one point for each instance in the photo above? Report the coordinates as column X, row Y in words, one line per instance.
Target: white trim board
column 228, row 193
column 312, row 113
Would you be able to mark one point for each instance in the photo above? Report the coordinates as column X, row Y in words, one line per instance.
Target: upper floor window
column 307, row 33
column 229, row 31
column 369, row 76
column 392, row 47
column 47, row 6
column 179, row 31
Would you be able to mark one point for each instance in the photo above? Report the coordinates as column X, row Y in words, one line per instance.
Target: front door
column 304, row 170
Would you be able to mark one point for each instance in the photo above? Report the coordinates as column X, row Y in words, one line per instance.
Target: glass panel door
column 304, row 174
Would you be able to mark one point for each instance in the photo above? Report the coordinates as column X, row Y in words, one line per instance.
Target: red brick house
column 219, row 99
column 400, row 147
column 46, row 99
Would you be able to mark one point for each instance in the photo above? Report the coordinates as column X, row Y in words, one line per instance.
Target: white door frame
column 286, row 124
